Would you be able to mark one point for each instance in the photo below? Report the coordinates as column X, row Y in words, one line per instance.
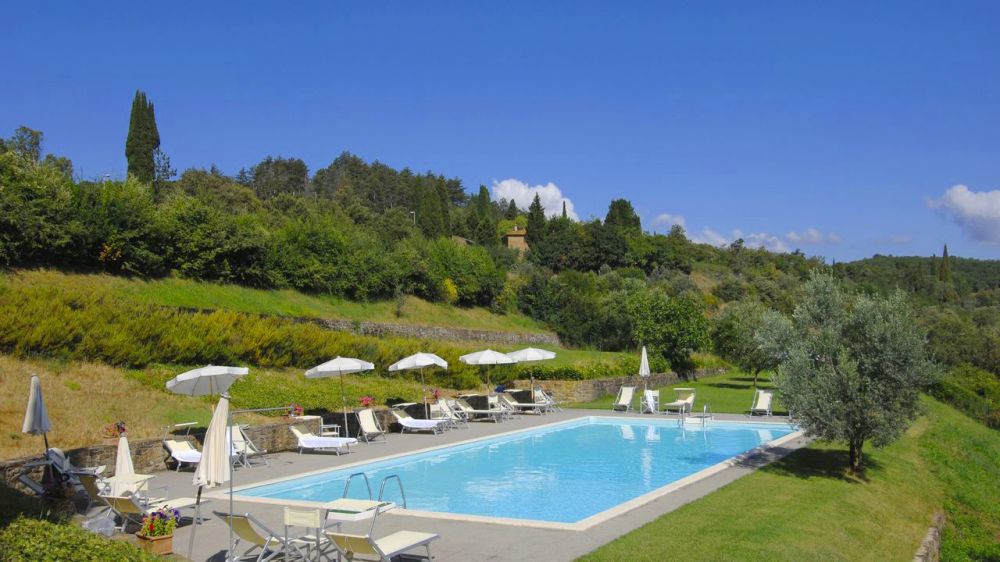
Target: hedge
column 34, row 540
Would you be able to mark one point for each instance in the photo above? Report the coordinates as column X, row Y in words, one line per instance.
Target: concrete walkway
column 460, row 540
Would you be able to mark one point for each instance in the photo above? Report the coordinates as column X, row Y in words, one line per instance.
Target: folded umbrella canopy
column 36, row 417
column 420, row 361
column 123, row 467
column 210, row 380
column 487, row 357
column 215, row 467
column 644, row 368
column 339, row 367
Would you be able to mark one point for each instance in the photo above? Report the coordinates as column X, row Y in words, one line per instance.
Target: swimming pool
column 561, row 473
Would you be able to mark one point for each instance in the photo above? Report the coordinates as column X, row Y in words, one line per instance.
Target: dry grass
column 82, row 398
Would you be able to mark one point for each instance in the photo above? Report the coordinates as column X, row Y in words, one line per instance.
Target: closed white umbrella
column 339, row 367
column 215, row 467
column 532, row 354
column 644, row 368
column 36, row 417
column 420, row 361
column 210, row 380
column 487, row 357
column 123, row 467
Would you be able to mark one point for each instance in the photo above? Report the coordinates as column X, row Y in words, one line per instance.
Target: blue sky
column 838, row 128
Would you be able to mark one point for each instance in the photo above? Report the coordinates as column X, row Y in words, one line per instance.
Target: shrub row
column 67, row 324
column 34, row 540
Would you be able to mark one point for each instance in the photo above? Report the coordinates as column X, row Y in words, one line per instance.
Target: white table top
column 350, row 509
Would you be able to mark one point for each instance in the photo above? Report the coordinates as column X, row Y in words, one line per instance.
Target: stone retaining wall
column 380, row 329
column 588, row 390
column 148, row 455
column 930, row 547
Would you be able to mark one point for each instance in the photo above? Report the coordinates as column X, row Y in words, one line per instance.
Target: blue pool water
column 562, row 473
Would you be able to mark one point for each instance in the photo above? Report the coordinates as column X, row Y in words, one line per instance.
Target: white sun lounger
column 761, row 403
column 369, row 427
column 132, row 511
column 183, row 452
column 494, row 414
column 245, row 527
column 537, row 407
column 409, row 423
column 384, row 549
column 623, row 402
column 311, row 441
column 684, row 402
column 244, row 449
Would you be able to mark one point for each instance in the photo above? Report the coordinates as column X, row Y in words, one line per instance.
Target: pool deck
column 460, row 539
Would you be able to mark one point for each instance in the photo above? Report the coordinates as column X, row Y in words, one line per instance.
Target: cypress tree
column 944, row 274
column 512, row 211
column 564, row 211
column 536, row 222
column 143, row 139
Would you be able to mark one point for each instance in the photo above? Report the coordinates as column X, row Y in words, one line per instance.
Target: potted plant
column 157, row 532
column 367, row 401
column 113, row 431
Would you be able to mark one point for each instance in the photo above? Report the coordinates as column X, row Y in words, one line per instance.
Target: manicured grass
column 193, row 294
column 730, row 393
column 806, row 507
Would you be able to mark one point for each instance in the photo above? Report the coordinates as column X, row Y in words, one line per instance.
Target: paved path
column 460, row 540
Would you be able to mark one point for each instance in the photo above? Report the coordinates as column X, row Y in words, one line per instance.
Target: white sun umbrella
column 339, row 367
column 420, row 361
column 487, row 357
column 210, row 380
column 531, row 354
column 123, row 467
column 215, row 467
column 644, row 368
column 36, row 417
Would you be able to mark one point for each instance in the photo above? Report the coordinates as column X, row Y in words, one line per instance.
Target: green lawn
column 806, row 507
column 731, row 393
column 193, row 294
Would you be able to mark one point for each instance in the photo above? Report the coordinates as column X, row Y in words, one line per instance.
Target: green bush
column 33, row 540
column 972, row 390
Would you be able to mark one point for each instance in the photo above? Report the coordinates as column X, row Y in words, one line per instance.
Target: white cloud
column 550, row 196
column 666, row 220
column 752, row 239
column 811, row 236
column 976, row 212
column 709, row 236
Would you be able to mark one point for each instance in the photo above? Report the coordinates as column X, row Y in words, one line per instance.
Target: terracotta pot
column 157, row 545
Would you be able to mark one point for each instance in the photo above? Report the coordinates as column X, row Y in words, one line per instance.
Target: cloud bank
column 666, row 220
column 550, row 196
column 977, row 213
column 772, row 242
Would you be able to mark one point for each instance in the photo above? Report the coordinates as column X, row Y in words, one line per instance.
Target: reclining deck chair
column 623, row 402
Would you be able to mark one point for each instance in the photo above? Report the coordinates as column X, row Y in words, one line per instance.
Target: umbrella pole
column 343, row 394
column 423, row 390
column 232, row 474
column 194, row 524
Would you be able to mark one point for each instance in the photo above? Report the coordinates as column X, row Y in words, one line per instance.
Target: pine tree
column 536, row 222
column 944, row 273
column 143, row 139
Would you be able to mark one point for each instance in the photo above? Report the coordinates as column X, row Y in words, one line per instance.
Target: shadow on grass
column 727, row 385
column 809, row 463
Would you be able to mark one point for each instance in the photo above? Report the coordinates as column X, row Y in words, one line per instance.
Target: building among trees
column 516, row 240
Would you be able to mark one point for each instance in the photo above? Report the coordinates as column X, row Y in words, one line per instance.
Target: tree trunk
column 856, row 445
column 755, row 373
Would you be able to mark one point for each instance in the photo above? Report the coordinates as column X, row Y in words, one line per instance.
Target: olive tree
column 735, row 335
column 852, row 366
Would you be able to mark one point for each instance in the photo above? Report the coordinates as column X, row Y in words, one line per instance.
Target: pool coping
column 582, row 525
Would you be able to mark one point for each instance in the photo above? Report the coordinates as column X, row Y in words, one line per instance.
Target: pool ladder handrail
column 399, row 481
column 347, row 485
